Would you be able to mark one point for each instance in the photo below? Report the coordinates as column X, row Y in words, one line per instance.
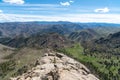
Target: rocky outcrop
column 56, row 66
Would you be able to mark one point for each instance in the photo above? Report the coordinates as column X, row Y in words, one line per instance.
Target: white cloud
column 14, row 1
column 1, row 11
column 71, row 1
column 68, row 3
column 102, row 10
column 106, row 18
column 40, row 5
column 65, row 3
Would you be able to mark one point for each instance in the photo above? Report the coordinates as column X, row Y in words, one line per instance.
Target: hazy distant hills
column 19, row 34
column 103, row 29
column 27, row 28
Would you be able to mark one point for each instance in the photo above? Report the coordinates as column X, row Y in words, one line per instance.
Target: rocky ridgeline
column 56, row 66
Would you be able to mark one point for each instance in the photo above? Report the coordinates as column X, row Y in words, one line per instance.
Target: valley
column 94, row 45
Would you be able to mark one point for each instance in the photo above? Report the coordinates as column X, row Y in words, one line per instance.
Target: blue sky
column 60, row 10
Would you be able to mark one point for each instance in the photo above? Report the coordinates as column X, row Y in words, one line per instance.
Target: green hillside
column 102, row 65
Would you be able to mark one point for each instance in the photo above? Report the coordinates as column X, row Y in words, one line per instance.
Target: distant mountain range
column 27, row 28
column 46, row 34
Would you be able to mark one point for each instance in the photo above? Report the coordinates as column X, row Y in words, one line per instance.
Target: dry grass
column 5, row 51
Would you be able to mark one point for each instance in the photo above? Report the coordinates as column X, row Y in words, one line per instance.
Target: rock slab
column 57, row 66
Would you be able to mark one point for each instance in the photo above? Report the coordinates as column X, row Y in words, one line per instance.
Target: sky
column 107, row 11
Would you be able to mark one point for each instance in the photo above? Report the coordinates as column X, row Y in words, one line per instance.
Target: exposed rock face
column 56, row 66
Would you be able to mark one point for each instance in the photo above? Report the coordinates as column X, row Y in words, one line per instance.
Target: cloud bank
column 106, row 18
column 14, row 1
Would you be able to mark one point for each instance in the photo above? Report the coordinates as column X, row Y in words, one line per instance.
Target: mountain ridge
column 50, row 40
column 12, row 29
column 56, row 66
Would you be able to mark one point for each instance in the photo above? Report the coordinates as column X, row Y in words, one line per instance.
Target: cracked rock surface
column 57, row 66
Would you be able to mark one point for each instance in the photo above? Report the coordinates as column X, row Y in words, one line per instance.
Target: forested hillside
column 22, row 44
